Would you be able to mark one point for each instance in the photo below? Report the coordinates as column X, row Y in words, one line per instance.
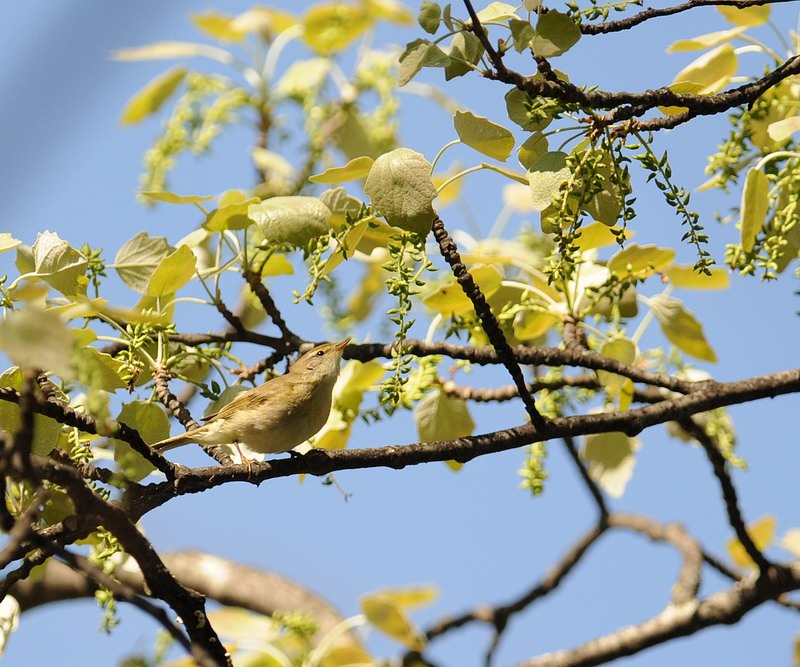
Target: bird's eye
column 320, row 353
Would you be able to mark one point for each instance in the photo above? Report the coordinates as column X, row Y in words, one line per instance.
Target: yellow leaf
column 388, row 616
column 713, row 70
column 641, row 261
column 754, row 206
column 453, row 190
column 390, row 10
column 761, row 532
column 681, row 88
column 330, row 27
column 620, row 349
column 530, row 324
column 171, row 50
column 781, row 130
column 357, row 168
column 348, row 655
column 748, row 16
column 150, row 98
column 687, row 278
column 705, row 41
column 611, row 458
column 217, row 25
column 7, row 242
column 411, row 597
column 449, row 299
column 791, row 541
column 596, row 235
column 681, row 327
column 172, row 198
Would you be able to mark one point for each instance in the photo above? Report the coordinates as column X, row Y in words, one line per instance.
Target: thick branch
column 227, row 582
column 323, row 462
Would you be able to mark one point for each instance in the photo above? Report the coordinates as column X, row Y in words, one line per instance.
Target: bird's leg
column 244, row 459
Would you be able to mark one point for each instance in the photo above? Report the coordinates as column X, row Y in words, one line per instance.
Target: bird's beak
column 343, row 344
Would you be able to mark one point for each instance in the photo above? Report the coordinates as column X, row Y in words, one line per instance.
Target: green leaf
column 483, row 135
column 449, row 299
column 57, row 263
column 170, row 50
column 150, row 98
column 517, row 103
column 38, row 339
column 98, row 370
column 611, row 457
column 640, row 261
column 465, row 50
column 7, row 242
column 522, row 33
column 754, row 207
column 532, row 149
column 418, row 54
column 357, row 168
column 341, row 204
column 748, row 16
column 390, row 618
column 172, row 273
column 172, row 198
column 330, row 27
column 139, row 257
column 713, row 70
column 46, row 431
column 232, row 213
column 152, row 424
column 687, row 278
column 555, row 33
column 442, row 417
column 294, row 220
column 545, row 178
column 607, row 204
column 681, row 327
column 430, row 13
column 400, row 187
column 705, row 41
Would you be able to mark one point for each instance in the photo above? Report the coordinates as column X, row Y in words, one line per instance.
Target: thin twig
column 489, row 322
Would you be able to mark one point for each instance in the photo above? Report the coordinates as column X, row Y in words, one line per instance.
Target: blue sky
column 71, row 168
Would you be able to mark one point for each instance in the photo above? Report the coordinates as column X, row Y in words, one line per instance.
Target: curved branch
column 725, row 607
column 652, row 13
column 223, row 580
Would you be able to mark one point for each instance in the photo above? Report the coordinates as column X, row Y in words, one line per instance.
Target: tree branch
column 321, row 462
column 652, row 13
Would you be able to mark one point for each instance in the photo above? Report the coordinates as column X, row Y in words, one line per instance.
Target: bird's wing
column 226, row 410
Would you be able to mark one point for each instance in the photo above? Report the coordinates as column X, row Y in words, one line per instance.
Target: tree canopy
column 506, row 302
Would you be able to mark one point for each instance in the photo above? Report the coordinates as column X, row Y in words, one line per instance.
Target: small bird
column 277, row 416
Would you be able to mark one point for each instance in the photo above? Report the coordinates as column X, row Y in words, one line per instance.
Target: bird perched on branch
column 277, row 416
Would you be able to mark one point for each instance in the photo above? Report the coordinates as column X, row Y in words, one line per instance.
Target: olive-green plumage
column 278, row 415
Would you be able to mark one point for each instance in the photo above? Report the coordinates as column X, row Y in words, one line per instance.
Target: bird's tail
column 175, row 441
